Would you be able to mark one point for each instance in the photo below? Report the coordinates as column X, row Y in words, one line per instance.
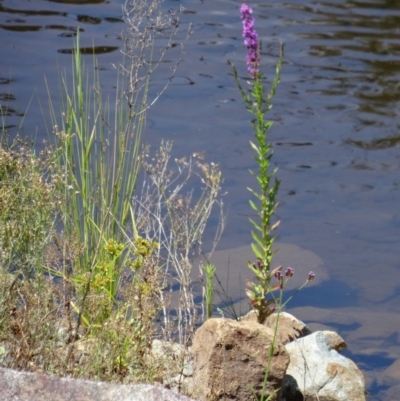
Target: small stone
column 188, row 369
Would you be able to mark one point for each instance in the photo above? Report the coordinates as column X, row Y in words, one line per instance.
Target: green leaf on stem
column 254, row 146
column 268, row 125
column 254, row 270
column 258, row 240
column 258, row 196
column 253, row 205
column 256, row 226
column 257, row 252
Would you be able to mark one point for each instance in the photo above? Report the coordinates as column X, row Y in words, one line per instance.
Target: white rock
column 319, row 372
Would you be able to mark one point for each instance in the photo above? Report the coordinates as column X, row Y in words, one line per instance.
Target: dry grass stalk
column 176, row 218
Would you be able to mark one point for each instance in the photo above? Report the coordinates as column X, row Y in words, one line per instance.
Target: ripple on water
column 335, row 136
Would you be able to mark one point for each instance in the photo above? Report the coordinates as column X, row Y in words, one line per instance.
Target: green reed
column 98, row 157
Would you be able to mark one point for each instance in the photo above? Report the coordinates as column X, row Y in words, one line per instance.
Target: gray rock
column 175, row 363
column 166, row 349
column 179, row 384
column 188, row 369
column 318, row 372
column 23, row 386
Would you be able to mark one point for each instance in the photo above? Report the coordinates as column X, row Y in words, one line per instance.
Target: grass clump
column 95, row 266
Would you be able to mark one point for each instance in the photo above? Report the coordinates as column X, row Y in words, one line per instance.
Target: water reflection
column 336, row 133
column 90, row 50
column 30, row 13
column 359, row 41
column 81, row 2
column 376, row 144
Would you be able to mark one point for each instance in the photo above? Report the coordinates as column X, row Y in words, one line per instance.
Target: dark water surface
column 336, row 138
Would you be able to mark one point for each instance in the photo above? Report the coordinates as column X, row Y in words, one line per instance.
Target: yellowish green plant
column 27, row 211
column 209, row 271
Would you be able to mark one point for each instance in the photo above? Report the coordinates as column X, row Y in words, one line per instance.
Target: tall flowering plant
column 258, row 103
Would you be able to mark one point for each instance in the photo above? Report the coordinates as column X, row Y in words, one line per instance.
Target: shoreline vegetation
column 99, row 232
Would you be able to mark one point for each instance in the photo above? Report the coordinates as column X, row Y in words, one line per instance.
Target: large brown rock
column 230, row 360
column 289, row 327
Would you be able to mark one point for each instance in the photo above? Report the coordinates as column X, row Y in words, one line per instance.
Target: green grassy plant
column 41, row 333
column 86, row 274
column 27, row 211
column 99, row 165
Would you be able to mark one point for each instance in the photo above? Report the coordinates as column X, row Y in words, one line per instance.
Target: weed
column 27, row 213
column 258, row 104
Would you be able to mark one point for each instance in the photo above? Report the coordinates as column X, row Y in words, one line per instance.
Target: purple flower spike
column 289, row 272
column 250, row 40
column 311, row 276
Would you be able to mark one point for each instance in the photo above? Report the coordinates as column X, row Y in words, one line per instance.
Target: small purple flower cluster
column 279, row 276
column 250, row 40
column 289, row 273
column 259, row 265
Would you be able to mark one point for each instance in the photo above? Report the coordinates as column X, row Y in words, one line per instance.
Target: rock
column 179, row 384
column 169, row 350
column 318, row 372
column 187, row 370
column 174, row 362
column 230, row 360
column 369, row 338
column 289, row 327
column 23, row 386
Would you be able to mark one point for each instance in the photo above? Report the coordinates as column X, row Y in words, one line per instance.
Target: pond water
column 336, row 139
